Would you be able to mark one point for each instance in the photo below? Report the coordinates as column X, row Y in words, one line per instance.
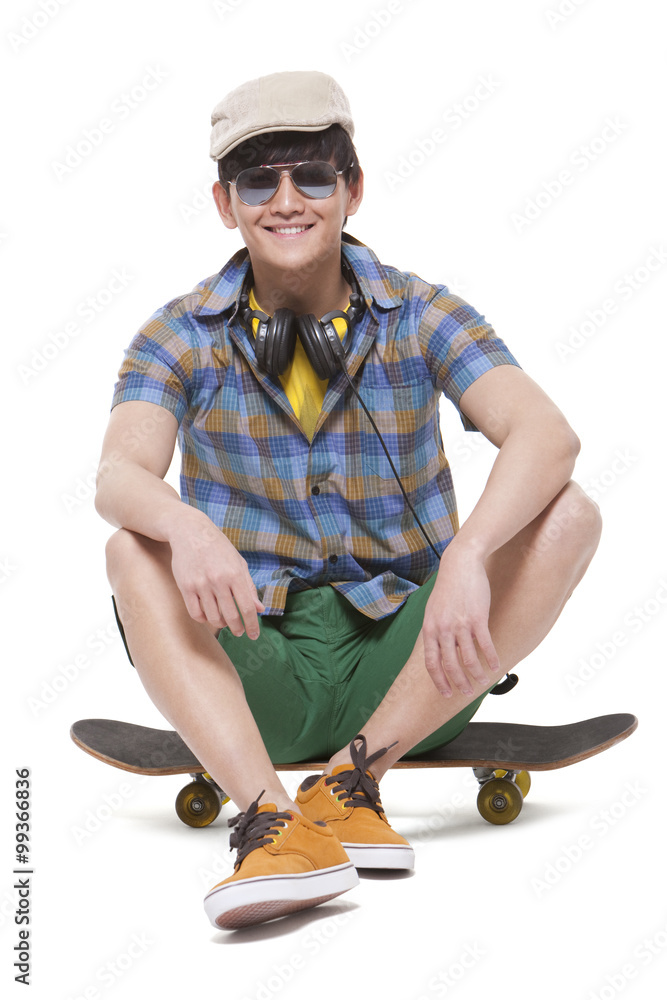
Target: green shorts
column 317, row 673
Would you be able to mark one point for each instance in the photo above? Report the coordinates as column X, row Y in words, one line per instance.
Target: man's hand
column 457, row 616
column 213, row 577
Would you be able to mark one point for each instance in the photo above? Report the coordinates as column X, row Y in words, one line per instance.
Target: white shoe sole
column 255, row 900
column 380, row 855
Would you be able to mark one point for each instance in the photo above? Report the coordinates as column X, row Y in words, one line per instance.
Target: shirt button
column 333, row 559
column 315, row 491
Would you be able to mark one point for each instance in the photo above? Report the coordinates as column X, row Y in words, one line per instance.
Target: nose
column 287, row 199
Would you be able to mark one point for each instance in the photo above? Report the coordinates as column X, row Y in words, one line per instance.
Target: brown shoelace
column 360, row 788
column 254, row 829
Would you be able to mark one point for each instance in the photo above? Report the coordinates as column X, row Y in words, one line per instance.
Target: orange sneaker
column 348, row 800
column 285, row 862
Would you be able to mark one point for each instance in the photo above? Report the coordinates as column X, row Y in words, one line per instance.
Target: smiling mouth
column 288, row 230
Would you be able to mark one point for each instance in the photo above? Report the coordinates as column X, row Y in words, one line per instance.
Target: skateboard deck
column 502, row 755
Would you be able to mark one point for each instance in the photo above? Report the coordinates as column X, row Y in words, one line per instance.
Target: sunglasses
column 313, row 178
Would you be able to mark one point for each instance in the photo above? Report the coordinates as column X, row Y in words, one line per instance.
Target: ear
column 223, row 203
column 355, row 194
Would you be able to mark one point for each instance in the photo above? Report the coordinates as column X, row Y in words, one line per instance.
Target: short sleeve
column 458, row 346
column 158, row 366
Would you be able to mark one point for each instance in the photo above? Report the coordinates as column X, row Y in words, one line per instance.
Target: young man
column 292, row 607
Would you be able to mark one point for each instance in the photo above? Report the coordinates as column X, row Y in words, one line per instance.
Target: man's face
column 290, row 231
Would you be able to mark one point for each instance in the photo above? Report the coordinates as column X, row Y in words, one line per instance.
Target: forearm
column 532, row 466
column 129, row 496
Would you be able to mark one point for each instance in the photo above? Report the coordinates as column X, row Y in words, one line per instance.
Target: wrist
column 466, row 547
column 180, row 520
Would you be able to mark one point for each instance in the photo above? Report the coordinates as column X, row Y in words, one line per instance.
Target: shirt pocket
column 407, row 417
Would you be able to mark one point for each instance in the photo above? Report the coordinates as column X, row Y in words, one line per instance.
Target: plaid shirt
column 328, row 511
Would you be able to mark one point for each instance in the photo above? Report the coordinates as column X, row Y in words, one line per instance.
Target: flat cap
column 300, row 101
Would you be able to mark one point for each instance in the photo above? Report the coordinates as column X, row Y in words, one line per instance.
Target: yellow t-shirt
column 303, row 388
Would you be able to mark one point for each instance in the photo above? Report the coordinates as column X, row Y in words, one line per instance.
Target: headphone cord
column 511, row 680
column 393, row 468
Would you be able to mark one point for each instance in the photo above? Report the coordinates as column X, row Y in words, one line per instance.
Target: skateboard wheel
column 499, row 801
column 198, row 804
column 522, row 779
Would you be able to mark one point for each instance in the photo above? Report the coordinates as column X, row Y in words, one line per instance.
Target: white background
column 557, row 904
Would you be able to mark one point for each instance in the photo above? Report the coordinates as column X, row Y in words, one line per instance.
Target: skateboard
column 501, row 754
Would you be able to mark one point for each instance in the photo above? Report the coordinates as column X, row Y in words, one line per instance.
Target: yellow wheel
column 198, row 804
column 523, row 781
column 499, row 801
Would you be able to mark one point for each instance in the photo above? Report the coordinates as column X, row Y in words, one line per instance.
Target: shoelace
column 253, row 829
column 360, row 789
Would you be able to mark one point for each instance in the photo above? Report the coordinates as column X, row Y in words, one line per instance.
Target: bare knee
column 573, row 521
column 127, row 551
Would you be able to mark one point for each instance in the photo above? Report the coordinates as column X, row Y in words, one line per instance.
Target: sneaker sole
column 256, row 900
column 380, row 856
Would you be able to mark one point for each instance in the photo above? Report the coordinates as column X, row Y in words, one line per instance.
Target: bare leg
column 531, row 578
column 187, row 674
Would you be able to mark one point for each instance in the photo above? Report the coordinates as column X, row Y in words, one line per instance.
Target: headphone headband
column 276, row 335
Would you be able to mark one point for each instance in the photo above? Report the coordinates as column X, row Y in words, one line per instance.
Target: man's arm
column 537, row 453
column 211, row 575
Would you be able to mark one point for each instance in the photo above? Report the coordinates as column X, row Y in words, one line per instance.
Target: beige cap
column 300, row 101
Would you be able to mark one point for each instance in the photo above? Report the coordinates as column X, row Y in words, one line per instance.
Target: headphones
column 276, row 335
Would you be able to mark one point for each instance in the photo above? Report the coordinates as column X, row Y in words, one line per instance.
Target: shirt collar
column 221, row 293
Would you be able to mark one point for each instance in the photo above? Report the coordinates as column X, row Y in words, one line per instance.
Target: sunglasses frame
column 287, row 168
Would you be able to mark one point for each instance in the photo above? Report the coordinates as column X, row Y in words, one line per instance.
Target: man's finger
column 470, row 661
column 485, row 643
column 433, row 663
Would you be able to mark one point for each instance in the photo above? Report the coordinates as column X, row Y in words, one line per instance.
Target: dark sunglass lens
column 257, row 184
column 317, row 179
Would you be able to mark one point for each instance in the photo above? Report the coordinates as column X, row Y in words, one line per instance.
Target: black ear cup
column 278, row 342
column 276, row 335
column 322, row 344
